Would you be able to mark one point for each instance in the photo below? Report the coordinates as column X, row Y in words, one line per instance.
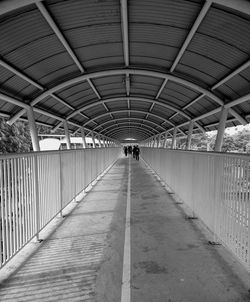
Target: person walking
column 125, row 149
column 137, row 152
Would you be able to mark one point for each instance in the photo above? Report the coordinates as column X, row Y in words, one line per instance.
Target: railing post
column 37, row 205
column 75, row 176
column 60, row 176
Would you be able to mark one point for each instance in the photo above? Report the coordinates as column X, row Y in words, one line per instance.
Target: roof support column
column 173, row 145
column 159, row 141
column 67, row 137
column 84, row 145
column 93, row 139
column 103, row 141
column 165, row 140
column 99, row 140
column 189, row 136
column 153, row 143
column 221, row 130
column 33, row 129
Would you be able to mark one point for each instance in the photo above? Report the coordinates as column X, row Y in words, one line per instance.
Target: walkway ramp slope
column 82, row 260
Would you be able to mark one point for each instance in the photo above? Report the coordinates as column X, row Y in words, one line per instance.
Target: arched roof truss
column 129, row 64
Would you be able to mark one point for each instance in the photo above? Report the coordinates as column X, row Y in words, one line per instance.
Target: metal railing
column 35, row 187
column 215, row 186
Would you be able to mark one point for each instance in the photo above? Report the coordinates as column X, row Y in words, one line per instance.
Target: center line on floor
column 126, row 276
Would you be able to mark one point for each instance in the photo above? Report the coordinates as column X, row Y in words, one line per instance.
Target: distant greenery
column 238, row 142
column 15, row 138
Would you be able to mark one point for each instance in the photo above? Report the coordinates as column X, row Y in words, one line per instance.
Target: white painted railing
column 35, row 187
column 215, row 186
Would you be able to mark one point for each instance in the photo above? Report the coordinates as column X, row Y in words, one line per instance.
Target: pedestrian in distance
column 125, row 149
column 137, row 152
column 134, row 151
column 129, row 150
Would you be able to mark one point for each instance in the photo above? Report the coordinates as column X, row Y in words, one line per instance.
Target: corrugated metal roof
column 227, row 27
column 217, row 50
column 167, row 12
column 78, row 13
column 95, row 36
column 201, row 68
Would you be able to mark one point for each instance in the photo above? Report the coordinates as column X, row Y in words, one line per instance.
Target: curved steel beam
column 115, row 126
column 130, row 98
column 237, row 5
column 140, row 99
column 135, row 111
column 124, row 131
column 127, row 72
column 130, row 118
column 110, row 132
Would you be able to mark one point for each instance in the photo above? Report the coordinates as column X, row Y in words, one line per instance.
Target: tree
column 15, row 138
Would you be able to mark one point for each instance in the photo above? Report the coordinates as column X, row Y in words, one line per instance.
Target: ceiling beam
column 85, row 77
column 221, row 82
column 129, row 127
column 127, row 80
column 94, row 89
column 58, row 33
column 240, row 100
column 124, row 26
column 191, row 33
column 152, row 106
column 119, row 99
column 187, row 41
column 150, row 73
column 152, row 129
column 105, row 106
column 62, row 101
column 140, row 100
column 231, row 75
column 134, row 111
column 20, row 74
column 26, row 78
column 14, row 101
column 37, row 110
column 131, row 118
column 237, row 5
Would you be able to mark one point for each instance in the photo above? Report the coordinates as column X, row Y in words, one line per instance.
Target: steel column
column 33, row 129
column 221, row 130
column 165, row 140
column 84, row 144
column 189, row 136
column 173, row 145
column 67, row 136
column 93, row 139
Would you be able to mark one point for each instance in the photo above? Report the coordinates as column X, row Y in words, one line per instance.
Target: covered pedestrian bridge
column 143, row 72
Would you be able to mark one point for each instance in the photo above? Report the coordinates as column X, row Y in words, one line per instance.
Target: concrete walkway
column 82, row 260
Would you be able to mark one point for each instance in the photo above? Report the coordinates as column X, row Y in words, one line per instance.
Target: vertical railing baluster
column 3, row 217
column 37, row 197
column 61, row 184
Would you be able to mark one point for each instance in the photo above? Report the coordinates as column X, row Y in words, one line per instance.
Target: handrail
column 215, row 186
column 36, row 186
